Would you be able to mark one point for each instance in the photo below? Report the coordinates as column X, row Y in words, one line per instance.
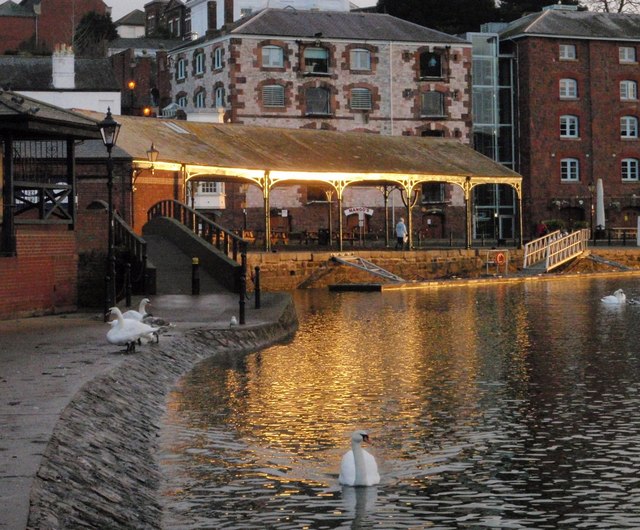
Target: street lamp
column 591, row 189
column 109, row 129
column 152, row 156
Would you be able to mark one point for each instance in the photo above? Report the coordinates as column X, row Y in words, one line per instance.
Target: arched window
column 569, row 169
column 181, row 69
column 217, row 58
column 628, row 90
column 430, row 64
column 568, row 89
column 317, row 101
column 360, row 99
column 629, row 169
column 628, row 127
column 432, row 104
column 360, row 59
column 272, row 57
column 219, row 97
column 199, row 63
column 199, row 100
column 273, row 96
column 181, row 101
column 569, row 126
column 316, row 60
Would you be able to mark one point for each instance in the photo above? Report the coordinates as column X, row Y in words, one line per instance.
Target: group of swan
column 134, row 327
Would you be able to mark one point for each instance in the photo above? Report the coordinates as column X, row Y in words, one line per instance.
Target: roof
column 143, row 43
column 135, row 18
column 575, row 24
column 11, row 9
column 35, row 73
column 301, row 150
column 338, row 25
column 26, row 117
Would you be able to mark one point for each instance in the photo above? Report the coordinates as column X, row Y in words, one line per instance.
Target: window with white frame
column 273, row 96
column 628, row 127
column 272, row 57
column 627, row 54
column 568, row 88
column 432, row 104
column 181, row 101
column 360, row 99
column 569, row 169
column 181, row 68
column 317, row 100
column 199, row 63
column 209, row 187
column 219, row 97
column 629, row 169
column 360, row 59
column 316, row 60
column 199, row 99
column 628, row 90
column 569, row 126
column 217, row 58
column 567, row 52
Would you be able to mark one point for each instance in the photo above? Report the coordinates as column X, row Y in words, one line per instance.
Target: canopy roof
column 228, row 150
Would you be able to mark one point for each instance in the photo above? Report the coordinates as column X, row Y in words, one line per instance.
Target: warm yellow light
column 146, row 111
column 131, row 84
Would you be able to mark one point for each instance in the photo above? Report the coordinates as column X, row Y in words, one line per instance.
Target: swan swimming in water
column 358, row 468
column 127, row 332
column 618, row 297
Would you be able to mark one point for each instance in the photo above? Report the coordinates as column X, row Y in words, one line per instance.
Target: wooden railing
column 554, row 249
column 224, row 240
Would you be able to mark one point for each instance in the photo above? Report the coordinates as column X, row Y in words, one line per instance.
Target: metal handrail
column 224, row 240
column 555, row 249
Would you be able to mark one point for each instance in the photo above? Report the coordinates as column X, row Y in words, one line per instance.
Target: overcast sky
column 120, row 8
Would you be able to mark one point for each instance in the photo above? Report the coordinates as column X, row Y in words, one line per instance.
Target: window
column 432, row 192
column 432, row 104
column 317, row 101
column 208, row 187
column 430, row 65
column 217, row 58
column 273, row 96
column 199, row 60
column 181, row 101
column 568, row 89
column 570, row 169
column 627, row 54
column 567, row 52
column 569, row 126
column 628, row 127
column 199, row 99
column 245, row 11
column 316, row 60
column 219, row 97
column 360, row 59
column 629, row 169
column 628, row 90
column 272, row 57
column 360, row 99
column 181, row 68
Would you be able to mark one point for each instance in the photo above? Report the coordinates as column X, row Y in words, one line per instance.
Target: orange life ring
column 500, row 258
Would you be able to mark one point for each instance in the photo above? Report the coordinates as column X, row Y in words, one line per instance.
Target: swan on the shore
column 618, row 297
column 132, row 314
column 234, row 321
column 359, row 467
column 127, row 332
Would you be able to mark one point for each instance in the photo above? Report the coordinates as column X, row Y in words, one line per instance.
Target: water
column 503, row 406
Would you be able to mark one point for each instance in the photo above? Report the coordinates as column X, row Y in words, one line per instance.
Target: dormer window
column 430, row 65
column 316, row 61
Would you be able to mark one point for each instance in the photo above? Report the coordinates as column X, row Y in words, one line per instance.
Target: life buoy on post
column 500, row 258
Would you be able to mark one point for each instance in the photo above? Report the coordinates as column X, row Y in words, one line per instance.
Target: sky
column 120, row 8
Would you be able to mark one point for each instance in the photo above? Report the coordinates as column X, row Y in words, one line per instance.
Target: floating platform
column 360, row 287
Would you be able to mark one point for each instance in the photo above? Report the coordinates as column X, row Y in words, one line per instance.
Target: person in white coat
column 401, row 234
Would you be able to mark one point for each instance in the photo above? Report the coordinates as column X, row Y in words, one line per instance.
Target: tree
column 449, row 16
column 614, row 6
column 92, row 34
column 513, row 9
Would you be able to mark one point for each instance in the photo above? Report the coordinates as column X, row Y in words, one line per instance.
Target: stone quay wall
column 99, row 469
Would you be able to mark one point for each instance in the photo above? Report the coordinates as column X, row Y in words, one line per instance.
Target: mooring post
column 243, row 283
column 195, row 276
column 256, row 286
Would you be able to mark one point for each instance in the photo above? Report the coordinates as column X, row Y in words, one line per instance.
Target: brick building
column 577, row 112
column 335, row 71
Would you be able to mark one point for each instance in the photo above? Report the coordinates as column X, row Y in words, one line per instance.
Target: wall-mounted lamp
column 152, row 156
column 131, row 84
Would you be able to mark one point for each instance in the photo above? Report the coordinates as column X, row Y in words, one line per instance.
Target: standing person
column 401, row 234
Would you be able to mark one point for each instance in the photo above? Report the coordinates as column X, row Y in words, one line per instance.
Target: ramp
column 363, row 264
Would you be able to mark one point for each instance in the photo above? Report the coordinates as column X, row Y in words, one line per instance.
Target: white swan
column 132, row 314
column 358, row 468
column 618, row 297
column 127, row 332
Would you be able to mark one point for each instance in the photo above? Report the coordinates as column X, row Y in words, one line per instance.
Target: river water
column 496, row 406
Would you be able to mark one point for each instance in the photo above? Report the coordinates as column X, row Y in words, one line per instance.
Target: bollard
column 195, row 276
column 127, row 284
column 243, row 286
column 256, row 286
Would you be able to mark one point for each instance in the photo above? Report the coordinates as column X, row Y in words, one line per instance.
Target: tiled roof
column 338, row 25
column 135, row 18
column 11, row 9
column 35, row 73
column 30, row 117
column 144, row 43
column 575, row 24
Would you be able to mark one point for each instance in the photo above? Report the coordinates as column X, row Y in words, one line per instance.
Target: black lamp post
column 109, row 128
column 591, row 189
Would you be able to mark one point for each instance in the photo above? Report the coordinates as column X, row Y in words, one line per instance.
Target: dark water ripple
column 496, row 407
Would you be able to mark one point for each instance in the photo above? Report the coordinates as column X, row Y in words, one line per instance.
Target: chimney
column 63, row 67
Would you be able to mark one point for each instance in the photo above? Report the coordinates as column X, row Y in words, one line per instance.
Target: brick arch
column 375, row 96
column 286, row 53
column 288, row 94
column 346, row 56
column 315, row 83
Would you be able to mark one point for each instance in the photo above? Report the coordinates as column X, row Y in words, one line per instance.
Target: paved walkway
column 45, row 361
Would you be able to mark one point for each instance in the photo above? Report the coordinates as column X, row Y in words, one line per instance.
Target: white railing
column 555, row 249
